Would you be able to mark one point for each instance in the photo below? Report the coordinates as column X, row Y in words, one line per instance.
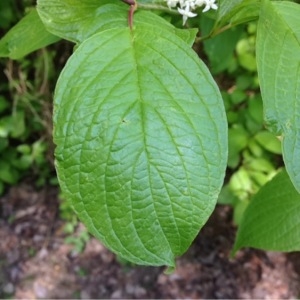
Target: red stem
column 131, row 11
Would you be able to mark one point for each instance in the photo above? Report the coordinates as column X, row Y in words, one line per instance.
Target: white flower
column 172, row 3
column 210, row 4
column 185, row 7
column 186, row 13
column 200, row 2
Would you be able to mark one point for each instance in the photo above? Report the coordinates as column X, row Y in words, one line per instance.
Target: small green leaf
column 239, row 210
column 76, row 20
column 259, row 164
column 237, row 11
column 268, row 141
column 220, row 48
column 237, row 141
column 18, row 126
column 245, row 49
column 8, row 174
column 271, row 221
column 4, row 104
column 254, row 114
column 241, row 184
column 278, row 59
column 141, row 137
column 3, row 142
column 25, row 37
column 227, row 197
column 5, row 126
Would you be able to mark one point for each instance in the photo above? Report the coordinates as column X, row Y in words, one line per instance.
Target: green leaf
column 268, row 141
column 237, row 141
column 237, row 11
column 241, row 184
column 226, row 7
column 141, row 137
column 278, row 60
column 25, row 37
column 245, row 49
column 7, row 173
column 254, row 114
column 76, row 20
column 271, row 221
column 227, row 197
column 239, row 210
column 3, row 142
column 220, row 48
column 5, row 126
column 4, row 104
column 18, row 126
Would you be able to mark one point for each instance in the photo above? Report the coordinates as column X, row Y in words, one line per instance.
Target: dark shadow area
column 36, row 262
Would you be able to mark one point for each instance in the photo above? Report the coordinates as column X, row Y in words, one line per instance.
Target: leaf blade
column 25, row 37
column 147, row 152
column 271, row 221
column 278, row 60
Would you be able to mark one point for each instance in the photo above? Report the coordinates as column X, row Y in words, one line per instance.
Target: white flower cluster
column 187, row 6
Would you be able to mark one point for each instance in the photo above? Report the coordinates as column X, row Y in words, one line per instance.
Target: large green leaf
column 278, row 60
column 77, row 20
column 141, row 137
column 27, row 36
column 272, row 219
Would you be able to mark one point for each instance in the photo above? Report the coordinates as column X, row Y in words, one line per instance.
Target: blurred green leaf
column 259, row 178
column 254, row 114
column 245, row 49
column 260, row 164
column 25, row 37
column 3, row 143
column 239, row 210
column 24, row 149
column 8, row 174
column 220, row 49
column 22, row 163
column 17, row 124
column 241, row 184
column 237, row 96
column 269, row 141
column 244, row 81
column 226, row 196
column 237, row 141
column 4, row 104
column 255, row 148
column 5, row 126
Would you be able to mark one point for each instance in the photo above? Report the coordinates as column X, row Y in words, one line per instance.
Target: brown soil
column 36, row 263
